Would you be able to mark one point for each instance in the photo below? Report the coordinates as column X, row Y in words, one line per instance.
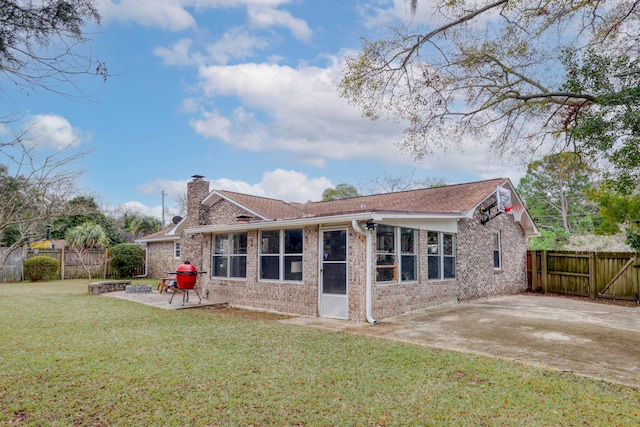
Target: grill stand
column 185, row 294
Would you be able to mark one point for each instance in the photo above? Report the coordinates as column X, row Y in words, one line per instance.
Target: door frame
column 340, row 303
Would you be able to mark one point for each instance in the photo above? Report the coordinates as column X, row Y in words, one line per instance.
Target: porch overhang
column 435, row 222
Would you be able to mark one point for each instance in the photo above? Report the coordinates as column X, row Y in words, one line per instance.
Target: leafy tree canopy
column 38, row 42
column 39, row 49
column 555, row 191
column 80, row 210
column 619, row 212
column 607, row 128
column 87, row 235
column 144, row 225
column 125, row 258
column 519, row 73
column 341, row 191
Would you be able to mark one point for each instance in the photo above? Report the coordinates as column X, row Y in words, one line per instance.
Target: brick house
column 362, row 258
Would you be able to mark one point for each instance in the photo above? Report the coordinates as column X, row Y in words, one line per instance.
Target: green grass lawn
column 71, row 359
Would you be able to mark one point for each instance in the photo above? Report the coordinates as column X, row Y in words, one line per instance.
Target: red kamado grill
column 186, row 277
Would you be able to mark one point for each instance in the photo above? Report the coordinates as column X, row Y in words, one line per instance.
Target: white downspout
column 369, row 247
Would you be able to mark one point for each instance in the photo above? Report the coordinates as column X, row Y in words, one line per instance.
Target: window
column 497, row 256
column 441, row 256
column 281, row 255
column 176, row 250
column 395, row 252
column 230, row 255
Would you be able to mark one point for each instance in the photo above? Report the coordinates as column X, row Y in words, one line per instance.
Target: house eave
column 158, row 239
column 320, row 220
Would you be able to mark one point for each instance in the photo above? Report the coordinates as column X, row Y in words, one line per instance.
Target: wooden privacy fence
column 71, row 266
column 613, row 275
column 12, row 269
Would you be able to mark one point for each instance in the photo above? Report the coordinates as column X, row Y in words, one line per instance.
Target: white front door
column 333, row 274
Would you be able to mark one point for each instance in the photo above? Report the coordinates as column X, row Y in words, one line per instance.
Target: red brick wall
column 283, row 297
column 192, row 245
column 475, row 275
column 160, row 259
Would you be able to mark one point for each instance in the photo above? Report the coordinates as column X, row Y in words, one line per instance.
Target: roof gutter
column 314, row 220
column 369, row 248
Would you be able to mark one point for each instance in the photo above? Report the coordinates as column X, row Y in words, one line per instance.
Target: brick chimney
column 191, row 245
column 197, row 190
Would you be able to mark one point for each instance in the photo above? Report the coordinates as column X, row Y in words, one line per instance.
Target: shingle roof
column 263, row 206
column 159, row 235
column 451, row 199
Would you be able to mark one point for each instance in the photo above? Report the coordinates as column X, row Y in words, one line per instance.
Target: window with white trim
column 176, row 249
column 229, row 255
column 441, row 255
column 281, row 255
column 396, row 252
column 497, row 252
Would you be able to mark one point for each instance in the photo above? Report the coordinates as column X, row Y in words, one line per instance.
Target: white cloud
column 141, row 209
column 234, row 44
column 280, row 184
column 430, row 13
column 172, row 15
column 50, row 131
column 293, row 186
column 179, row 53
column 213, row 125
column 304, row 114
column 267, row 17
column 165, row 14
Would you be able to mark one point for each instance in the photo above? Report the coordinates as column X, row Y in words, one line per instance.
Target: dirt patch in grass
column 245, row 313
column 607, row 301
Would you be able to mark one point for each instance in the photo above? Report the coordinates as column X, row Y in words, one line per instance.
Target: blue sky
column 240, row 91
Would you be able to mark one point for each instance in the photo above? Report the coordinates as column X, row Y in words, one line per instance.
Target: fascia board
column 328, row 220
column 158, row 239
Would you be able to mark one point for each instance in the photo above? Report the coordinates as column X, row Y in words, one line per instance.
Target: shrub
column 633, row 236
column 125, row 259
column 41, row 268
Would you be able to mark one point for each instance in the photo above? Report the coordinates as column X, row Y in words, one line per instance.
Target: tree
column 619, row 212
column 126, row 258
column 84, row 239
column 144, row 225
column 40, row 42
column 40, row 48
column 500, row 69
column 389, row 183
column 30, row 198
column 555, row 190
column 341, row 191
column 82, row 209
column 610, row 130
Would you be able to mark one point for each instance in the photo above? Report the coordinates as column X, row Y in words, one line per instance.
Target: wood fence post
column 637, row 268
column 62, row 263
column 543, row 271
column 534, row 271
column 593, row 288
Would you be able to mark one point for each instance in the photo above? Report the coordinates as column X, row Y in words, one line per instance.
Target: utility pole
column 163, row 193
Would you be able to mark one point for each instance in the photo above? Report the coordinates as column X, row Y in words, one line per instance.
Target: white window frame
column 228, row 255
column 438, row 253
column 497, row 249
column 176, row 250
column 285, row 266
column 398, row 255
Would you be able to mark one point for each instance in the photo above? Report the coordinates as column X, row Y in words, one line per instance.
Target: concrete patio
column 161, row 300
